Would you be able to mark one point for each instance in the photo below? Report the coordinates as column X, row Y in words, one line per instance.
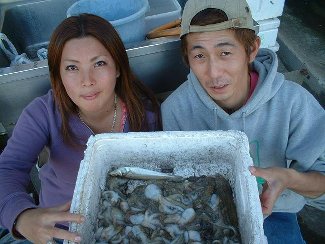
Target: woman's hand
column 37, row 225
column 276, row 182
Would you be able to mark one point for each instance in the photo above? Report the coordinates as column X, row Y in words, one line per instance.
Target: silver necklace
column 115, row 113
column 114, row 116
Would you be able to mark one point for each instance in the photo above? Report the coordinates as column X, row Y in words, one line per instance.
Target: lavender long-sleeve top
column 39, row 126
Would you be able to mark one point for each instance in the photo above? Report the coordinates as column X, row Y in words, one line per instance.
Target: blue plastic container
column 127, row 16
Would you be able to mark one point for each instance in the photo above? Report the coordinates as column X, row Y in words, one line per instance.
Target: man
column 233, row 84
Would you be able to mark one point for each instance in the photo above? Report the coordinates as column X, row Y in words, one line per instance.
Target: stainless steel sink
column 29, row 24
column 157, row 63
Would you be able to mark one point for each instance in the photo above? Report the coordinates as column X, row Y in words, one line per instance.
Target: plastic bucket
column 127, row 16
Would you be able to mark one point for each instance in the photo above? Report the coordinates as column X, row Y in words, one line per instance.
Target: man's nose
column 215, row 68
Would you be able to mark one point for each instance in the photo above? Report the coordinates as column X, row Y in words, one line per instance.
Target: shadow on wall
column 311, row 12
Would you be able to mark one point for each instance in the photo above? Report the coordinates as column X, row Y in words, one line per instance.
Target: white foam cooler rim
column 251, row 228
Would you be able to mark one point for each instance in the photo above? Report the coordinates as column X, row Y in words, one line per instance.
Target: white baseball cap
column 237, row 11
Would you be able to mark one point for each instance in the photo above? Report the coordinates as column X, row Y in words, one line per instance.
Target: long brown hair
column 209, row 16
column 136, row 95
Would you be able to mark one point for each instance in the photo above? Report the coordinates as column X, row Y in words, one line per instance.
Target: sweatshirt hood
column 265, row 64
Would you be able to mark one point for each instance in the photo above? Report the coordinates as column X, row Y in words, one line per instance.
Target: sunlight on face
column 220, row 63
column 88, row 73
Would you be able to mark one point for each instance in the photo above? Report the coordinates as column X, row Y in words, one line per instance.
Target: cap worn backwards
column 237, row 11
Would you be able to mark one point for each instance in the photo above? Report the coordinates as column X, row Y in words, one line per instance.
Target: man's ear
column 254, row 49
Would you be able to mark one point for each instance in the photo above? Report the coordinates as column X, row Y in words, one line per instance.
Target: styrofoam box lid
column 274, row 48
column 268, row 24
column 268, row 38
column 162, row 12
column 268, row 31
column 265, row 9
column 193, row 153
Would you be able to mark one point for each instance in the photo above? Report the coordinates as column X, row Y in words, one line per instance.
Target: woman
column 93, row 91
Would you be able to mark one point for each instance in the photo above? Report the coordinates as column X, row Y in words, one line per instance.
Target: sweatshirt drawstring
column 215, row 118
column 244, row 121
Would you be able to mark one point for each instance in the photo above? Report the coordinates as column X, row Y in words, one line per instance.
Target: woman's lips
column 90, row 96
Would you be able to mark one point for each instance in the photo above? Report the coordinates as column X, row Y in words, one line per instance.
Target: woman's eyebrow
column 97, row 57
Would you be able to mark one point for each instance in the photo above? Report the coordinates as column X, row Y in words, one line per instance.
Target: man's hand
column 308, row 184
column 276, row 182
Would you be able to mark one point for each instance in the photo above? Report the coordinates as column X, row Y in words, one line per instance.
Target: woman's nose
column 87, row 78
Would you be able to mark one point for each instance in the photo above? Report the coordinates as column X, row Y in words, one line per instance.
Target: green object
column 260, row 180
column 254, row 152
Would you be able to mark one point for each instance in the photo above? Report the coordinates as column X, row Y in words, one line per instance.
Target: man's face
column 220, row 63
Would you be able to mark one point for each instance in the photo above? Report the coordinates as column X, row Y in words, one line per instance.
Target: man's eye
column 71, row 68
column 225, row 53
column 100, row 63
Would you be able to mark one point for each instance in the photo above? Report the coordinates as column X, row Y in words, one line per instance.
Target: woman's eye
column 225, row 53
column 71, row 68
column 100, row 63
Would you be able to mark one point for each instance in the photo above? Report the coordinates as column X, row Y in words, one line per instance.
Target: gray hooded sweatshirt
column 284, row 123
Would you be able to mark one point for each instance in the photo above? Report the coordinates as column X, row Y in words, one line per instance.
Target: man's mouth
column 219, row 86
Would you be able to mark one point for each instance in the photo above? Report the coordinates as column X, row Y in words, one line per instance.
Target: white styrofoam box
column 274, row 48
column 193, row 153
column 268, row 31
column 161, row 12
column 265, row 9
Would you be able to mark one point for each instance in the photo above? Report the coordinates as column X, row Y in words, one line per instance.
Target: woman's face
column 89, row 74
